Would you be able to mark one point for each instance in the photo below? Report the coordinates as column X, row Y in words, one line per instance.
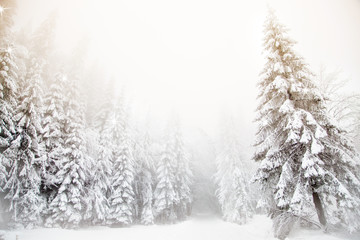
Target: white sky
column 199, row 57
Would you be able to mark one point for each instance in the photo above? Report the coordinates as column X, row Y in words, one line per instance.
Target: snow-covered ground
column 198, row 227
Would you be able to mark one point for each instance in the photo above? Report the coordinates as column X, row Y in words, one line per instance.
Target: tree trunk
column 319, row 209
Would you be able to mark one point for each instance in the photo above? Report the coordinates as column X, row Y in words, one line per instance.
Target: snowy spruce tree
column 144, row 180
column 67, row 207
column 165, row 194
column 40, row 47
column 8, row 97
column 122, row 198
column 8, row 85
column 23, row 185
column 306, row 163
column 232, row 179
column 53, row 135
column 172, row 195
column 183, row 175
column 98, row 211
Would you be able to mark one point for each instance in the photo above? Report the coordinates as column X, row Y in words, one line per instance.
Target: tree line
column 60, row 169
column 64, row 162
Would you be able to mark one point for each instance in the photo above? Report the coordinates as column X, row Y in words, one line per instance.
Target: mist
column 198, row 57
column 180, row 115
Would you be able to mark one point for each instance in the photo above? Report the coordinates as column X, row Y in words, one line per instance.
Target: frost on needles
column 307, row 165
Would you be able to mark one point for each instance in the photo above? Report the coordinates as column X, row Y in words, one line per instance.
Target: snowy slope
column 199, row 227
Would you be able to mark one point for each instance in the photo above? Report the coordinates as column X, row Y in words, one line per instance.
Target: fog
column 198, row 58
column 143, row 113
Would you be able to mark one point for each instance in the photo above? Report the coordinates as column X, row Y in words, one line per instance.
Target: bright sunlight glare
column 1, row 9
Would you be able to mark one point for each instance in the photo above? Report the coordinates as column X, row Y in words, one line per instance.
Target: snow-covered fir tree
column 172, row 195
column 8, row 76
column 40, row 46
column 144, row 180
column 165, row 194
column 8, row 95
column 99, row 209
column 67, row 207
column 53, row 135
column 232, row 179
column 8, row 83
column 23, row 185
column 306, row 163
column 122, row 198
column 183, row 174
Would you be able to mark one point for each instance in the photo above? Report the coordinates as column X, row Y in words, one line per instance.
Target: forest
column 73, row 156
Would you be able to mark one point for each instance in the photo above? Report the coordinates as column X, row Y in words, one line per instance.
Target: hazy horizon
column 199, row 58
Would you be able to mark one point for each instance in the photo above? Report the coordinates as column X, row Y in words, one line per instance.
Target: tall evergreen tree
column 23, row 185
column 232, row 179
column 53, row 135
column 172, row 195
column 306, row 162
column 40, row 48
column 67, row 208
column 165, row 195
column 8, row 89
column 8, row 94
column 144, row 180
column 98, row 211
column 183, row 175
column 8, row 82
column 122, row 198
